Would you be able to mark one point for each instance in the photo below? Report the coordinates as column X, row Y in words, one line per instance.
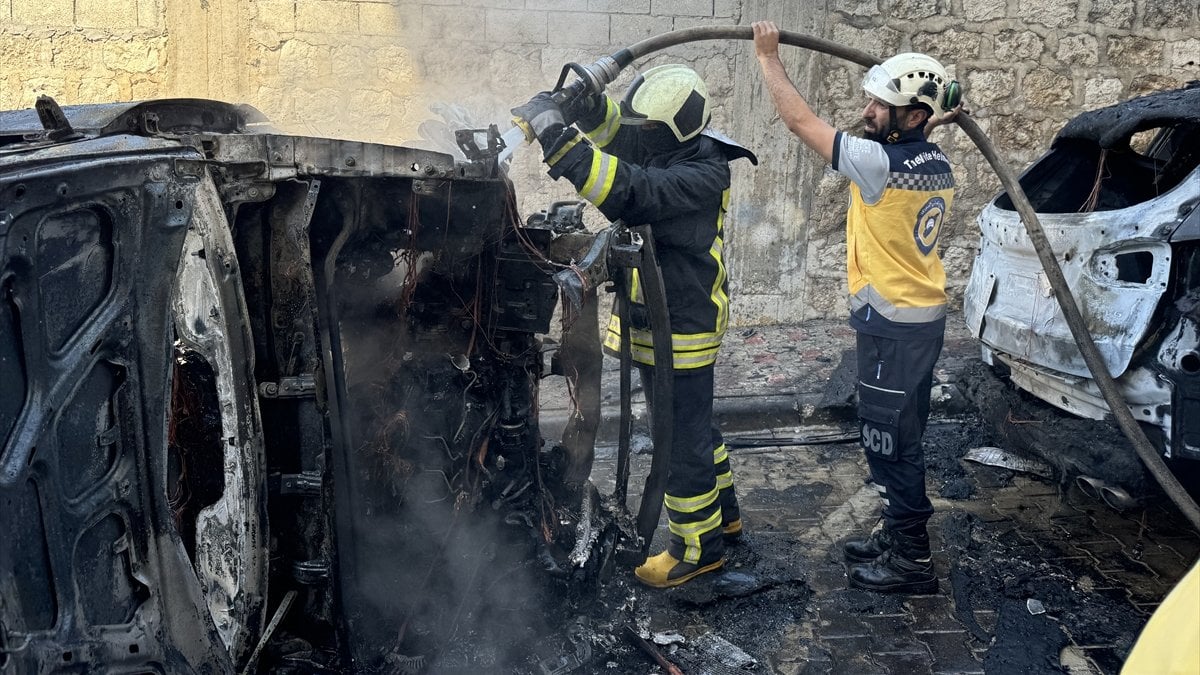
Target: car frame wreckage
column 1118, row 194
column 270, row 401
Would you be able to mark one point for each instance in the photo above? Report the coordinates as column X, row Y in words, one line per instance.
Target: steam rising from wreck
column 451, row 504
column 377, row 71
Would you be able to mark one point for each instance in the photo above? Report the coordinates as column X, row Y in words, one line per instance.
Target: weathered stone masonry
column 375, row 70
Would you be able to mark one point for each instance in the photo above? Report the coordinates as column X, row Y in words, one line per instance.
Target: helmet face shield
column 629, row 116
column 881, row 85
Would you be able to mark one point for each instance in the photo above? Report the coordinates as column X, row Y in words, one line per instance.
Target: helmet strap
column 893, row 130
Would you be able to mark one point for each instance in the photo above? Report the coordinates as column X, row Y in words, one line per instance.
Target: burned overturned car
column 1118, row 195
column 269, row 401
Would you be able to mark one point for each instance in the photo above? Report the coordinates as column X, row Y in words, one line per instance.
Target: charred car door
column 131, row 487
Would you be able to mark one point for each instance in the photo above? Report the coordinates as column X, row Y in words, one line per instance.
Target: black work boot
column 906, row 567
column 866, row 550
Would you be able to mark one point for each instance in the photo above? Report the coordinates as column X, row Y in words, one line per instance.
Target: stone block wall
column 404, row 71
column 80, row 50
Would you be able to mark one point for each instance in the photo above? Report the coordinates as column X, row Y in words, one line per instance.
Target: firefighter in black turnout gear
column 652, row 160
column 901, row 189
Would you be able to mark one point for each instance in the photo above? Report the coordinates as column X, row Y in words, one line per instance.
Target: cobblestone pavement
column 1119, row 565
column 1006, row 543
column 1138, row 556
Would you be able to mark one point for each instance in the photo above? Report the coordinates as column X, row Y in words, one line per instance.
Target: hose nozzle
column 590, row 79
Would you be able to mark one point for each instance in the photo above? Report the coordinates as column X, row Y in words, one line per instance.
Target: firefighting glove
column 587, row 107
column 540, row 118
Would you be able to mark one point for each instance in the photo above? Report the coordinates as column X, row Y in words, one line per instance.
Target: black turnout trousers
column 700, row 495
column 895, row 378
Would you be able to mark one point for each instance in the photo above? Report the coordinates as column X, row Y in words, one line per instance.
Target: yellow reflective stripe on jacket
column 691, row 504
column 867, row 295
column 600, row 178
column 553, row 159
column 725, row 480
column 680, row 360
column 719, row 297
column 645, row 355
column 679, row 342
column 720, row 454
column 689, row 351
column 603, row 134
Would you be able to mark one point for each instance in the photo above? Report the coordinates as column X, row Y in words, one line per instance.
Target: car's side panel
column 94, row 574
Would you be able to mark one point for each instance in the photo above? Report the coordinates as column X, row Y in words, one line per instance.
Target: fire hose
column 594, row 78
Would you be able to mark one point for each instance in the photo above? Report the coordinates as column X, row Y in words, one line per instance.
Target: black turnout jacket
column 683, row 195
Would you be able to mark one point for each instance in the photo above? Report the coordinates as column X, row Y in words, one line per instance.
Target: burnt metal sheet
column 166, row 115
column 208, row 329
column 1116, row 276
column 428, row 424
column 1108, row 213
column 210, row 318
column 1122, row 222
column 88, row 251
column 1147, row 395
column 1111, row 127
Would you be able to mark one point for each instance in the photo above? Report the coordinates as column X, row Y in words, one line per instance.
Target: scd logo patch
column 878, row 440
column 929, row 221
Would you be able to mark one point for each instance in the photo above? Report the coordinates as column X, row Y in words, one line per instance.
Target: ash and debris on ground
column 1034, row 575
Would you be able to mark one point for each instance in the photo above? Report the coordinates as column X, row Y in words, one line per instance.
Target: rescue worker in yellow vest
column 1169, row 643
column 901, row 190
column 652, row 160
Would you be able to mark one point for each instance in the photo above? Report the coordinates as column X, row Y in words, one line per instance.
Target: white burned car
column 1118, row 195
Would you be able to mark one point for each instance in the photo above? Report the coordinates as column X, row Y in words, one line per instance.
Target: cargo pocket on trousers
column 879, row 420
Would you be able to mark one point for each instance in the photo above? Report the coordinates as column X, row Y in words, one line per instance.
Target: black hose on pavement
column 1087, row 347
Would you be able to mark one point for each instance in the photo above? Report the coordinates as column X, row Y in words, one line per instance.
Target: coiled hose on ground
column 605, row 71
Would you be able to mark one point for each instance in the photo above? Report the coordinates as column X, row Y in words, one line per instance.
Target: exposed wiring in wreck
column 1089, row 204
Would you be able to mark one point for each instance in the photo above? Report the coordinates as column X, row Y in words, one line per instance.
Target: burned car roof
column 166, row 115
column 1112, row 127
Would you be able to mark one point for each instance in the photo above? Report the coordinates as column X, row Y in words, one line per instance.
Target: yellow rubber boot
column 664, row 570
column 732, row 530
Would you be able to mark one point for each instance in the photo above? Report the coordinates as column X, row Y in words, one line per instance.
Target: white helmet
column 673, row 95
column 913, row 79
